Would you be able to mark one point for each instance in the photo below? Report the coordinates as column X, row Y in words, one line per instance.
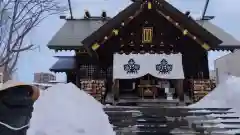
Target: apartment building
column 44, row 77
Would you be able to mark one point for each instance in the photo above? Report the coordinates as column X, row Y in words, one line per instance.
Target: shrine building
column 149, row 50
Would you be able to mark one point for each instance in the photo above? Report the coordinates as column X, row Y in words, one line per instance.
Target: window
column 90, row 72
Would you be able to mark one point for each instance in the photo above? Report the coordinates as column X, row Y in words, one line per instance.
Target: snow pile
column 225, row 95
column 65, row 110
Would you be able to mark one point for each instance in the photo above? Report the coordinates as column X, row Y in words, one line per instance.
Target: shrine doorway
column 146, row 87
column 136, row 73
column 127, row 87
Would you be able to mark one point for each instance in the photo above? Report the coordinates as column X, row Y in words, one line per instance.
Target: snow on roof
column 54, row 81
column 43, row 84
column 64, row 109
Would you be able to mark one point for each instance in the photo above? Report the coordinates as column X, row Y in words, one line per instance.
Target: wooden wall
column 166, row 39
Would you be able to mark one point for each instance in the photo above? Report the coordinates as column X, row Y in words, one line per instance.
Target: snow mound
column 225, row 95
column 64, row 109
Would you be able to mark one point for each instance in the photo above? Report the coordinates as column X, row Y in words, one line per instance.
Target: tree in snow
column 17, row 19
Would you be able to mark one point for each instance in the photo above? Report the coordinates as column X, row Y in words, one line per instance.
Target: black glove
column 16, row 106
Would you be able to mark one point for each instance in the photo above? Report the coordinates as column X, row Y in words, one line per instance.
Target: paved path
column 170, row 121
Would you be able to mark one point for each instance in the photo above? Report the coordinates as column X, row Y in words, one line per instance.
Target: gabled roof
column 69, row 63
column 71, row 34
column 64, row 63
column 166, row 8
column 75, row 33
column 229, row 42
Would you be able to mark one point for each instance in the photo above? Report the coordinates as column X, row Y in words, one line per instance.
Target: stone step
column 162, row 120
column 129, row 108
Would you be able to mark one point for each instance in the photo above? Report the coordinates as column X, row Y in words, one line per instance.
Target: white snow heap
column 64, row 109
column 225, row 95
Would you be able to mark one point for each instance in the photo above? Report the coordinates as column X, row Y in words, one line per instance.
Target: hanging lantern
column 95, row 46
column 185, row 32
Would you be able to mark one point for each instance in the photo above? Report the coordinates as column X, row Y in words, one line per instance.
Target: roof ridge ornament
column 87, row 14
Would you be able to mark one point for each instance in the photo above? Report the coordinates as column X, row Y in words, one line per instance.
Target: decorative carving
column 131, row 67
column 164, row 67
column 147, row 35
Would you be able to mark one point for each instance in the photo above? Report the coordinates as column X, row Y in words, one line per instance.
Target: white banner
column 166, row 66
column 128, row 66
column 137, row 65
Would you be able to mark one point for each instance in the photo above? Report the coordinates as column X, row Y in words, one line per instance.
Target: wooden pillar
column 205, row 66
column 115, row 89
column 71, row 77
column 179, row 89
column 77, row 79
column 68, row 77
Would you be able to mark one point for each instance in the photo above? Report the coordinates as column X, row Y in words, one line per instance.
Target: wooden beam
column 185, row 31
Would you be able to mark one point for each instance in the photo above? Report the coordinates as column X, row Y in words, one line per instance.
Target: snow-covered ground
column 63, row 109
column 225, row 95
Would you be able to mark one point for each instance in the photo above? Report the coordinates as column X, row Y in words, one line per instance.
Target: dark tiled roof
column 111, row 24
column 167, row 9
column 64, row 63
column 74, row 33
column 228, row 41
column 69, row 63
column 71, row 34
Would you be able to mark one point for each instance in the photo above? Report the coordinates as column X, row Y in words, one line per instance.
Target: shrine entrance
column 127, row 88
column 136, row 78
column 149, row 87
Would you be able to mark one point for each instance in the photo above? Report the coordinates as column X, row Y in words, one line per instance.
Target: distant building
column 44, row 77
column 212, row 75
column 228, row 65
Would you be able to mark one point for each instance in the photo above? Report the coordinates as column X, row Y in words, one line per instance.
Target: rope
column 13, row 128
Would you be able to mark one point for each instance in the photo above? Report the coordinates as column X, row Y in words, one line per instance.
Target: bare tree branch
column 17, row 19
column 23, row 49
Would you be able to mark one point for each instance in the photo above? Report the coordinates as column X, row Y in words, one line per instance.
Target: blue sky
column 226, row 12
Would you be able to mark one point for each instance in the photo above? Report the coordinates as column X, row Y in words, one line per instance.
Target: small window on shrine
column 147, row 35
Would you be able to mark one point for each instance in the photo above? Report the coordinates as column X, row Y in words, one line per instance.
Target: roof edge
column 65, row 47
